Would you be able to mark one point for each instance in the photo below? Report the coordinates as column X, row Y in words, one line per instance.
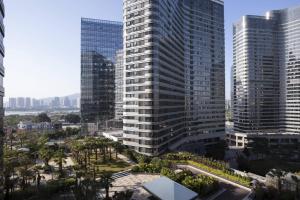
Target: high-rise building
column 119, row 74
column 67, row 102
column 2, row 52
column 20, row 102
column 55, row 103
column 174, row 74
column 36, row 103
column 27, row 102
column 12, row 103
column 266, row 81
column 100, row 41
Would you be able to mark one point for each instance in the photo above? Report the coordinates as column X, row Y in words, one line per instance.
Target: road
column 233, row 192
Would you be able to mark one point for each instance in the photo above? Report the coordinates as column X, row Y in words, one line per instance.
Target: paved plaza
column 133, row 182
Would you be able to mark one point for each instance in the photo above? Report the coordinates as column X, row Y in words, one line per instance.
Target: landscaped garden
column 201, row 184
column 218, row 168
column 50, row 164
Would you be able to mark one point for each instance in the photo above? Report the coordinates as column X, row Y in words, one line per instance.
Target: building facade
column 12, row 103
column 100, row 41
column 241, row 140
column 2, row 53
column 174, row 73
column 119, row 84
column 266, row 81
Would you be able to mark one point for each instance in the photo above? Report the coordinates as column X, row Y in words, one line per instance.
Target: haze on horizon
column 42, row 41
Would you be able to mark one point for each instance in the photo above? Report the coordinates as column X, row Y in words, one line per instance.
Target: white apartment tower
column 174, row 74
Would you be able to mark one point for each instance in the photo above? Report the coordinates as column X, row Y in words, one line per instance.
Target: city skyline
column 149, row 115
column 62, row 41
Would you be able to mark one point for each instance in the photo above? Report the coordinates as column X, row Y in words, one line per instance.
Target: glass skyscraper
column 266, row 72
column 174, row 74
column 100, row 41
column 2, row 52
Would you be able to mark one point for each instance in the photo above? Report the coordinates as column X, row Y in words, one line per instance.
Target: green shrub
column 227, row 174
column 203, row 185
column 135, row 169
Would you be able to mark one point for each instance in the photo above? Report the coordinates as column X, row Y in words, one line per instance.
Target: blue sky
column 43, row 40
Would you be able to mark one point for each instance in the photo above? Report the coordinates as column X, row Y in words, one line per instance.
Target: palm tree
column 60, row 159
column 106, row 182
column 22, row 137
column 10, row 163
column 102, row 145
column 278, row 174
column 38, row 176
column 297, row 181
column 79, row 173
column 118, row 148
column 46, row 154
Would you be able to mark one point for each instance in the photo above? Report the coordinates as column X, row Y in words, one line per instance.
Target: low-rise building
column 42, row 126
column 69, row 125
column 241, row 140
column 115, row 135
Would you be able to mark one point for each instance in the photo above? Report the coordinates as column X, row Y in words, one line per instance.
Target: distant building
column 100, row 41
column 12, row 103
column 27, row 102
column 20, row 102
column 74, row 103
column 67, row 102
column 68, row 125
column 42, row 126
column 36, row 103
column 25, row 126
column 55, row 103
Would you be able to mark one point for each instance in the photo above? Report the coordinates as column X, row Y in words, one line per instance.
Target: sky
column 43, row 40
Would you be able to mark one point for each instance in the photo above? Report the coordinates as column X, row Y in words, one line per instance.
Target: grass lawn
column 262, row 167
column 113, row 166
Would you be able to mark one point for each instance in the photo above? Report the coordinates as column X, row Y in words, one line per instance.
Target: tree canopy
column 43, row 117
column 72, row 118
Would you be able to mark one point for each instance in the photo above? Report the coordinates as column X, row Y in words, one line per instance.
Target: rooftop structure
column 165, row 189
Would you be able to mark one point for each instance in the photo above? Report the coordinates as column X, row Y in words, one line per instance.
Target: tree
column 118, row 148
column 22, row 136
column 72, row 118
column 38, row 176
column 46, row 154
column 24, row 163
column 297, row 181
column 60, row 159
column 278, row 174
column 43, row 117
column 10, row 163
column 106, row 182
